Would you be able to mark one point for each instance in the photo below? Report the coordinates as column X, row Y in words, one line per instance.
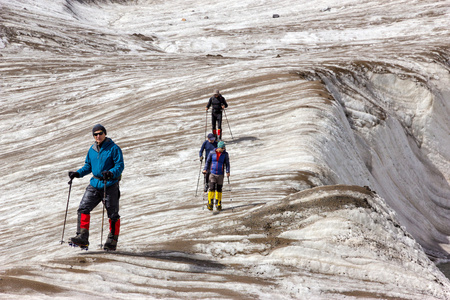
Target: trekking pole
column 231, row 198
column 206, row 123
column 67, row 208
column 228, row 124
column 198, row 180
column 103, row 215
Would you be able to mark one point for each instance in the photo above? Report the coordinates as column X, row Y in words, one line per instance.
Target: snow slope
column 337, row 129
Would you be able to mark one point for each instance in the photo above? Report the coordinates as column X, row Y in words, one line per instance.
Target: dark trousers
column 92, row 197
column 207, row 177
column 216, row 118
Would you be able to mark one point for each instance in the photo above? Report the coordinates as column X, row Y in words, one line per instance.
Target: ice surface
column 339, row 147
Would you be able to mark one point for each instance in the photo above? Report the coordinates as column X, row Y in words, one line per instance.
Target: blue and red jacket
column 108, row 157
column 218, row 162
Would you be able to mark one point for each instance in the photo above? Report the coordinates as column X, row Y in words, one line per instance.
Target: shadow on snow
column 197, row 265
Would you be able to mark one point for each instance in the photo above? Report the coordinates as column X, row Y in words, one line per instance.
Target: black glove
column 201, row 158
column 73, row 175
column 107, row 175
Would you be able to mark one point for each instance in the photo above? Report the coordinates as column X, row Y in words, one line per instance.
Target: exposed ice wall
column 399, row 120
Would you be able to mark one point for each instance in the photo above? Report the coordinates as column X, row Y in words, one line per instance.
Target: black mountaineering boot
column 113, row 236
column 111, row 242
column 81, row 240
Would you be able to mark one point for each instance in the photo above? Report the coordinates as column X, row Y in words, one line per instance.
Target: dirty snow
column 337, row 129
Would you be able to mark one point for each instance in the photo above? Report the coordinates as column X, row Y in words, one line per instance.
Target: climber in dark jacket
column 209, row 145
column 218, row 103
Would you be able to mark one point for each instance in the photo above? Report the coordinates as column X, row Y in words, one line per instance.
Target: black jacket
column 216, row 103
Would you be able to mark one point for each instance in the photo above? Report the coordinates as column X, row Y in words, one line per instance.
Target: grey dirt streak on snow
column 339, row 155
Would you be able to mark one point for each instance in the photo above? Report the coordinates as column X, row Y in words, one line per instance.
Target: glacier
column 337, row 129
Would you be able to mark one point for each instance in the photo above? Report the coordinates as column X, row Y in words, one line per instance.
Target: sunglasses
column 98, row 133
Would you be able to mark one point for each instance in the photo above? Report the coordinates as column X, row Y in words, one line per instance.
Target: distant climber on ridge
column 218, row 103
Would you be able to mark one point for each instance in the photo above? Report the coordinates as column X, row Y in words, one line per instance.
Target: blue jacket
column 106, row 158
column 217, row 166
column 207, row 147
